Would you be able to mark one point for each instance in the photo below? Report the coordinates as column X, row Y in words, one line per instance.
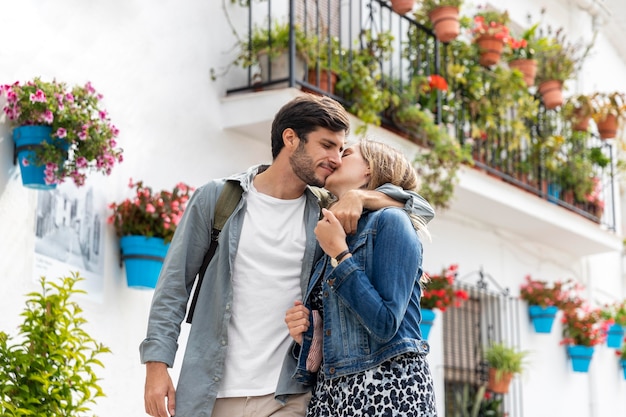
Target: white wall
column 151, row 60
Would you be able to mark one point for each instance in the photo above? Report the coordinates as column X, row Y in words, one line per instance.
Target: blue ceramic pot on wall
column 542, row 317
column 143, row 258
column 428, row 318
column 580, row 356
column 615, row 336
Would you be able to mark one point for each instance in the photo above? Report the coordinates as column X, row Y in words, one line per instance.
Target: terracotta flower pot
column 580, row 122
column 445, row 22
column 402, row 6
column 499, row 386
column 607, row 128
column 490, row 49
column 551, row 93
column 528, row 67
column 326, row 83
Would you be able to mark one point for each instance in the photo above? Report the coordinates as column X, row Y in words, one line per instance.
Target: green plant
column 429, row 5
column 578, row 107
column 50, row 371
column 583, row 327
column 560, row 294
column 608, row 103
column 439, row 292
column 621, row 353
column 77, row 120
column 560, row 59
column 505, row 359
column 148, row 213
column 615, row 313
column 360, row 80
column 490, row 22
column 526, row 46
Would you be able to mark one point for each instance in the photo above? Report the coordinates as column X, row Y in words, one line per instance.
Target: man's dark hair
column 306, row 113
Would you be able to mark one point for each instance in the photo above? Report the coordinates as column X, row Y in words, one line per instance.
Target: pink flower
column 61, row 132
column 48, row 117
column 38, row 97
column 150, row 208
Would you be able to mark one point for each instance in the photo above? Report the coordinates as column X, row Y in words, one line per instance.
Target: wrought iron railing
column 324, row 27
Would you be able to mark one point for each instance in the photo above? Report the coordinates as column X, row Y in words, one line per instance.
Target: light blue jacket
column 371, row 300
column 203, row 361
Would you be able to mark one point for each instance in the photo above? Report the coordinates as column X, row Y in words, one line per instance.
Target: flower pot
column 528, row 68
column 499, row 385
column 607, row 128
column 554, row 192
column 277, row 68
column 327, row 80
column 580, row 356
column 402, row 6
column 580, row 122
column 490, row 48
column 143, row 258
column 445, row 22
column 542, row 317
column 27, row 139
column 623, row 363
column 428, row 318
column 551, row 93
column 615, row 336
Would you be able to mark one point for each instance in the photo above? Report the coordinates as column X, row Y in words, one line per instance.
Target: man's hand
column 158, row 390
column 348, row 210
column 297, row 319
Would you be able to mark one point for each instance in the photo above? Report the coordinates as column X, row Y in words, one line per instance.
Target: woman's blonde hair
column 390, row 166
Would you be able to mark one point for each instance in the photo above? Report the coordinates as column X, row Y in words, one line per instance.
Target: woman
column 364, row 352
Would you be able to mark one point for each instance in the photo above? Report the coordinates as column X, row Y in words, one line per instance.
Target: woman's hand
column 330, row 234
column 297, row 320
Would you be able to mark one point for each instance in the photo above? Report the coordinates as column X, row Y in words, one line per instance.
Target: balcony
column 383, row 61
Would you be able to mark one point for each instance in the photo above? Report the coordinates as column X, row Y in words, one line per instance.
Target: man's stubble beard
column 304, row 168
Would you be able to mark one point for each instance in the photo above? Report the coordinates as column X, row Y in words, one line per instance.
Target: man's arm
column 348, row 210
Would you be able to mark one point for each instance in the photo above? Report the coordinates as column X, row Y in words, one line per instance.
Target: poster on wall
column 69, row 235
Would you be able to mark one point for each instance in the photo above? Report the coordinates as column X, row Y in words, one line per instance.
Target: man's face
column 315, row 160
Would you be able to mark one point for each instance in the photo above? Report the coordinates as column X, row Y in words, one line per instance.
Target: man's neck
column 279, row 182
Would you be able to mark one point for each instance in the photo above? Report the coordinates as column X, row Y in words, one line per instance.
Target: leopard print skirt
column 401, row 386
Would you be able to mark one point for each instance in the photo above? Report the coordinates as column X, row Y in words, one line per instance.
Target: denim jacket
column 203, row 361
column 371, row 300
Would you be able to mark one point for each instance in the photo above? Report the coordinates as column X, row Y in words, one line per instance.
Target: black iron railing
column 324, row 35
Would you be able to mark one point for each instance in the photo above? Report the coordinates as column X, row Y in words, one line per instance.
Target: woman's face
column 353, row 173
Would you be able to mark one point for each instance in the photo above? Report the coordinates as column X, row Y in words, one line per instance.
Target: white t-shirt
column 266, row 281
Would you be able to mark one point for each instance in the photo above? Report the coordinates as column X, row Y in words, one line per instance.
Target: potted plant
column 325, row 58
column 444, row 17
column 439, row 292
column 545, row 299
column 615, row 316
column 268, row 49
column 402, row 6
column 490, row 33
column 583, row 328
column 609, row 112
column 504, row 362
column 521, row 53
column 578, row 109
column 145, row 225
column 63, row 132
column 49, row 368
column 558, row 62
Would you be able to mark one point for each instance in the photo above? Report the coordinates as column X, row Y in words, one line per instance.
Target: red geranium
column 439, row 291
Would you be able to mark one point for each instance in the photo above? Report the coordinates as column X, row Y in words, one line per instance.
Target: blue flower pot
column 143, row 258
column 554, row 192
column 580, row 356
column 615, row 336
column 27, row 139
column 623, row 363
column 542, row 318
column 428, row 318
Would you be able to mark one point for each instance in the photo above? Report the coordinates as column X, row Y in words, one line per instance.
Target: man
column 237, row 362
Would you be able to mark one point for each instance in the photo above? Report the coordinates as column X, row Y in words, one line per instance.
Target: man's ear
column 290, row 139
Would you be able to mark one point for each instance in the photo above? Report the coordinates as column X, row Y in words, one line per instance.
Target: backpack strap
column 226, row 203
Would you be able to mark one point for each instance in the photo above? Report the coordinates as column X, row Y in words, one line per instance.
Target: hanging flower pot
column 402, row 6
column 615, row 336
column 27, row 140
column 499, row 382
column 607, row 128
column 428, row 319
column 551, row 93
column 542, row 317
column 490, row 48
column 580, row 122
column 445, row 21
column 143, row 258
column 623, row 364
column 580, row 356
column 528, row 68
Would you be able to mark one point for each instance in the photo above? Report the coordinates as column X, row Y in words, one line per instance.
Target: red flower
column 437, row 82
column 439, row 291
